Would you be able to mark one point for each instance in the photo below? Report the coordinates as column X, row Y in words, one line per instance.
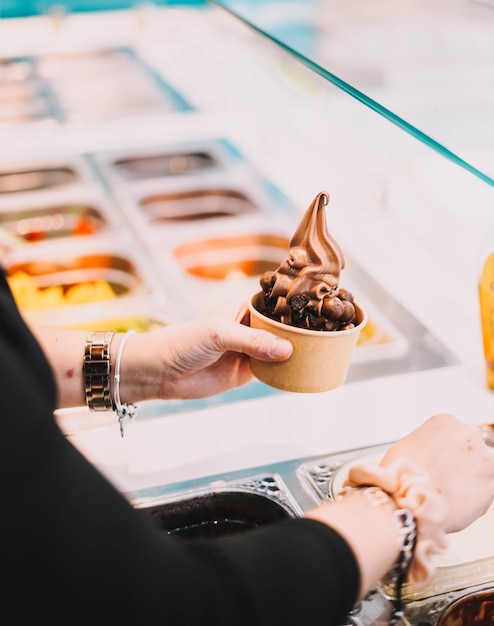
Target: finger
column 260, row 344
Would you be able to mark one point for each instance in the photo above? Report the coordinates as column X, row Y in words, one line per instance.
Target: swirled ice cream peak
column 308, row 278
column 314, row 252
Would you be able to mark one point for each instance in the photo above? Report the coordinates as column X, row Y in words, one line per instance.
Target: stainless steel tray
column 50, row 276
column 261, row 495
column 51, row 222
column 35, row 179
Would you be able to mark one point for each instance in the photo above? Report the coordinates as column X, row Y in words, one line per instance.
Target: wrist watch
column 96, row 370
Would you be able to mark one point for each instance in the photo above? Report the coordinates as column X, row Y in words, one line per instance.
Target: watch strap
column 97, row 370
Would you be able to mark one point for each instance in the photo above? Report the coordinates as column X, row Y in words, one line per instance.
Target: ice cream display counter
column 154, row 163
column 233, row 503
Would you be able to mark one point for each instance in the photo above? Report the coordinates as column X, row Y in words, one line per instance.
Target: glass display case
column 156, row 160
column 178, row 149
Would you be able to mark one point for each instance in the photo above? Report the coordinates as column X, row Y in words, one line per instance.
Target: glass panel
column 425, row 65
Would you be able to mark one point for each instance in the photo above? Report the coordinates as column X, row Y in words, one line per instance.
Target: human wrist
column 410, row 487
column 403, row 533
column 138, row 368
column 115, row 373
column 366, row 524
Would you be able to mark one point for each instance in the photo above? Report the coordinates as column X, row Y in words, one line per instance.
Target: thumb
column 273, row 348
column 257, row 343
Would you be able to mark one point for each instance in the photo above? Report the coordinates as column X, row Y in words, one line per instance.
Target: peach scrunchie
column 409, row 486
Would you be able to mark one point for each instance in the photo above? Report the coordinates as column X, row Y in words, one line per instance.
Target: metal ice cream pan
column 173, row 163
column 164, row 219
column 223, row 508
column 196, row 204
column 217, row 258
column 183, row 184
column 118, row 271
column 33, row 179
column 67, row 212
column 215, row 194
column 51, row 222
column 167, row 161
column 61, row 273
column 46, row 173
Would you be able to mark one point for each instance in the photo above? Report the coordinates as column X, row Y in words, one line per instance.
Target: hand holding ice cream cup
column 302, row 301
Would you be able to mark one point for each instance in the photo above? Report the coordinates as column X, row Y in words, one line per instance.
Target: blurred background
column 155, row 159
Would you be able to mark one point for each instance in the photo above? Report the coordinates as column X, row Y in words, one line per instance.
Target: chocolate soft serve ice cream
column 304, row 291
column 303, row 302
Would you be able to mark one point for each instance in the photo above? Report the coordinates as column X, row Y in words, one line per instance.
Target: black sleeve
column 74, row 551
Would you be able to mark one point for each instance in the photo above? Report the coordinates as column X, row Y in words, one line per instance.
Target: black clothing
column 74, row 551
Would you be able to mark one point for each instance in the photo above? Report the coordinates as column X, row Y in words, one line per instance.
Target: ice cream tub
column 320, row 358
column 172, row 163
column 238, row 254
column 58, row 273
column 36, row 179
column 196, row 204
column 52, row 222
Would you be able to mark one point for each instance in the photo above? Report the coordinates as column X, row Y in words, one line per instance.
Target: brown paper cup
column 320, row 359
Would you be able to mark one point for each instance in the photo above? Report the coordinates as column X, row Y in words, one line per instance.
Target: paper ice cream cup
column 320, row 359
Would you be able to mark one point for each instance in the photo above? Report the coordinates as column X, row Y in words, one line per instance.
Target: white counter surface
column 287, row 426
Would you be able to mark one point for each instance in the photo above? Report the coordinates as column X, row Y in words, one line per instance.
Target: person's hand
column 200, row 357
column 459, row 463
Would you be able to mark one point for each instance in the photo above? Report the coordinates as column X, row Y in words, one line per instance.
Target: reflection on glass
column 425, row 66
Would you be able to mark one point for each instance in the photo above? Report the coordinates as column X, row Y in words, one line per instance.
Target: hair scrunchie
column 409, row 486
